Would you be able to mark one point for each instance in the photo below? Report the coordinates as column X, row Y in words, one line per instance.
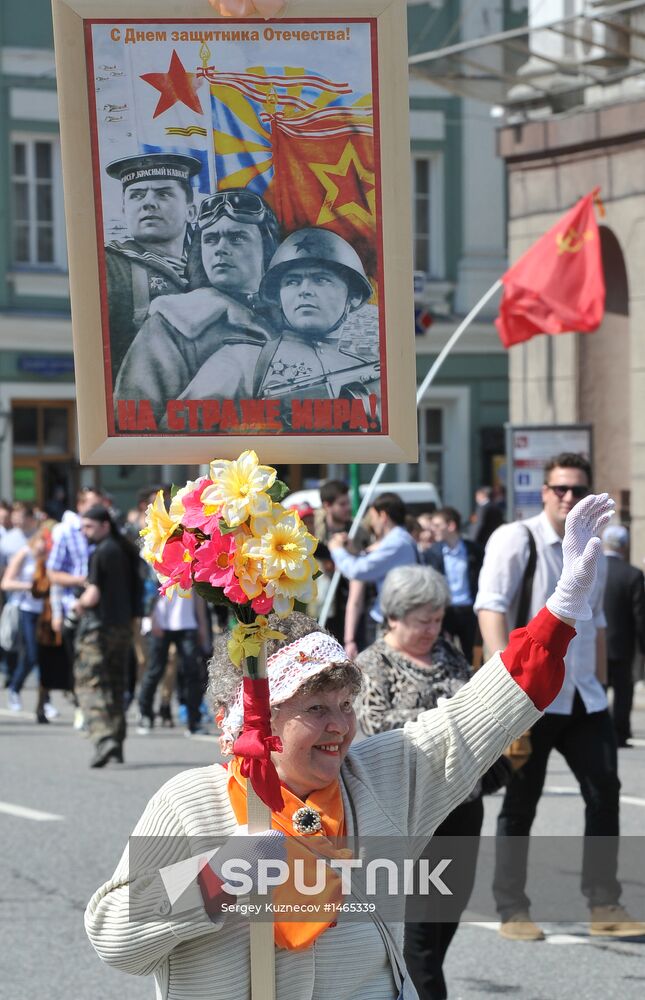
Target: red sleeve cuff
column 535, row 655
column 210, row 886
column 549, row 631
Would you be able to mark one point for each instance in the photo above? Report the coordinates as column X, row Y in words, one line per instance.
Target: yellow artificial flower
column 258, row 526
column 239, row 488
column 286, row 547
column 247, row 566
column 158, row 528
column 285, row 591
column 246, row 639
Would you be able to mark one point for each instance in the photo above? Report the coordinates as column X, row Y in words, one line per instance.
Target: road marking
column 25, row 813
column 631, row 800
column 628, row 800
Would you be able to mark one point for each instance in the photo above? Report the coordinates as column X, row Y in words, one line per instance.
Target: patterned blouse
column 397, row 689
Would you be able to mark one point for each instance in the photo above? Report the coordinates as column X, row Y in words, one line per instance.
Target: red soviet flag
column 324, row 176
column 558, row 285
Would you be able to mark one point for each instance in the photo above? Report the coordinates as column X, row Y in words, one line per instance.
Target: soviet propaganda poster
column 237, row 187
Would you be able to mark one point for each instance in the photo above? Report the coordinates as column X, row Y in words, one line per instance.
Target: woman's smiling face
column 316, row 731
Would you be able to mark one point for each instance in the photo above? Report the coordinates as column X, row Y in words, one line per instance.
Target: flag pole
column 421, row 392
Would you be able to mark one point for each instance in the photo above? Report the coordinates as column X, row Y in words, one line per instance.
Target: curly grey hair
column 408, row 587
column 224, row 677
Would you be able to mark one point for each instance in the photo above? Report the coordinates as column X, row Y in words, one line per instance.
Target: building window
column 444, row 446
column 427, row 193
column 43, row 438
column 422, row 215
column 37, row 230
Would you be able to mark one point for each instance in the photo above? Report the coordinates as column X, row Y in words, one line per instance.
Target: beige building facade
column 596, row 378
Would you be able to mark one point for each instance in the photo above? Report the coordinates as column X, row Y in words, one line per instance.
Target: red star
column 175, row 85
column 351, row 189
column 348, row 186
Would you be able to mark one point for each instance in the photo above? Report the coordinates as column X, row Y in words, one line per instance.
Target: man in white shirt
column 577, row 723
column 180, row 621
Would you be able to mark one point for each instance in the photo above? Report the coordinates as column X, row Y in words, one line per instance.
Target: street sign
column 528, row 449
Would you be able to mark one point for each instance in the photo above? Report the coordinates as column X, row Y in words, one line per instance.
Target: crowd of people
column 422, row 602
column 81, row 607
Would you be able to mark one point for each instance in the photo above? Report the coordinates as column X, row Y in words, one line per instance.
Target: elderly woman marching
column 410, row 669
column 401, row 784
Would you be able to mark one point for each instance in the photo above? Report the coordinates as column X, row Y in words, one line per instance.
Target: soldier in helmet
column 238, row 234
column 317, row 281
column 159, row 214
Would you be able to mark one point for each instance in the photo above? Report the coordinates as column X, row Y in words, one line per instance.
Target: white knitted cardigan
column 399, row 783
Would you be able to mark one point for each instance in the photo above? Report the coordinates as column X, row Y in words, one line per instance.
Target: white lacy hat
column 287, row 670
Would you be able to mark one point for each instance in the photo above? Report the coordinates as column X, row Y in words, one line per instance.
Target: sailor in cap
column 237, row 234
column 159, row 214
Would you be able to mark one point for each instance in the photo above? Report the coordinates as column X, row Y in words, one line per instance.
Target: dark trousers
column 460, row 621
column 69, row 645
column 99, row 674
column 189, row 668
column 11, row 663
column 426, row 943
column 619, row 675
column 587, row 743
column 28, row 652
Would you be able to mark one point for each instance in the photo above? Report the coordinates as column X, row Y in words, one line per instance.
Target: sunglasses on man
column 241, row 206
column 578, row 492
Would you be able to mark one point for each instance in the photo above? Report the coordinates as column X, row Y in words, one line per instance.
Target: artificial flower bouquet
column 227, row 537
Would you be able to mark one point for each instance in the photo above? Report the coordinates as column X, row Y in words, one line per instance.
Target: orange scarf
column 297, row 935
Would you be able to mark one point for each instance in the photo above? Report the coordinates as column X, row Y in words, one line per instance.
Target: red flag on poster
column 558, row 285
column 324, row 174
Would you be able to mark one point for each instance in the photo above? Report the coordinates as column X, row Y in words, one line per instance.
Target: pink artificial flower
column 196, row 515
column 234, row 592
column 262, row 604
column 214, row 561
column 177, row 562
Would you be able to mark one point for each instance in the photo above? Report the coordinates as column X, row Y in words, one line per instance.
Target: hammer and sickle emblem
column 572, row 241
column 271, row 100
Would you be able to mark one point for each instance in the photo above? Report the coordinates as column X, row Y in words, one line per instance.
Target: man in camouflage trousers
column 107, row 607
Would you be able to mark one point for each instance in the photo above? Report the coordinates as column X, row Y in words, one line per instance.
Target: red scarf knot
column 256, row 742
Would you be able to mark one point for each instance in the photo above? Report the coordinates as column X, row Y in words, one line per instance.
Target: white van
column 416, row 496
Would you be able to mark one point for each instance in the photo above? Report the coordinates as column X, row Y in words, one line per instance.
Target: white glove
column 580, row 550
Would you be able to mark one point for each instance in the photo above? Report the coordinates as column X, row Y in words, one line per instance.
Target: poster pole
column 258, row 817
column 421, row 392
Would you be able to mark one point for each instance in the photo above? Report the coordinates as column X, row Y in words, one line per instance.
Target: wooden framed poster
column 238, row 214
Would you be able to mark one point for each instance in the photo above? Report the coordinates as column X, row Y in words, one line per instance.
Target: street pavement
column 63, row 827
